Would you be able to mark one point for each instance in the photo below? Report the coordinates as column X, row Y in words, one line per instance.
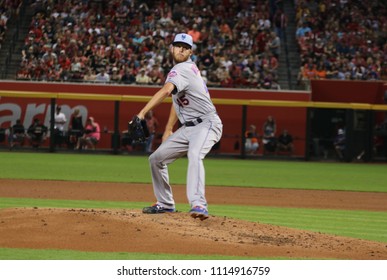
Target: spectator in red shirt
column 64, row 61
column 195, row 33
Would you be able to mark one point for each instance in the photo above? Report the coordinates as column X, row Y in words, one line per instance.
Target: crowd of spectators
column 237, row 43
column 8, row 9
column 342, row 39
column 127, row 41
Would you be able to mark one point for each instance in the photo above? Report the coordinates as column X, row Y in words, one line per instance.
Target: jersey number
column 183, row 101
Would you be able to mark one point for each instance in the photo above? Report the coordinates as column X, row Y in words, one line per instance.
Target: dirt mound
column 175, row 233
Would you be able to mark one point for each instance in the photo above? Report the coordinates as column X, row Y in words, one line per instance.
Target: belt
column 194, row 122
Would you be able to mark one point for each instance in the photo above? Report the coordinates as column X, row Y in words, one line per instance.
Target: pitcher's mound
column 174, row 233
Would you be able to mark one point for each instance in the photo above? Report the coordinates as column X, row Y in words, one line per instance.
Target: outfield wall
column 12, row 108
column 100, row 101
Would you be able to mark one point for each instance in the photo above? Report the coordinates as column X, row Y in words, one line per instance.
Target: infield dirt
column 123, row 230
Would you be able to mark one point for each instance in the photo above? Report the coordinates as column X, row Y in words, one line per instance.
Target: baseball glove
column 138, row 130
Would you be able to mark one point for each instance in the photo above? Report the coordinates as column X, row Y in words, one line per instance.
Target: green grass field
column 220, row 172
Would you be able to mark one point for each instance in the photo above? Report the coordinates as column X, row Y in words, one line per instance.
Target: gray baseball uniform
column 201, row 129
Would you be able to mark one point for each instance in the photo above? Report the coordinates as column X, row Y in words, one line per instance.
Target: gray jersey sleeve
column 191, row 99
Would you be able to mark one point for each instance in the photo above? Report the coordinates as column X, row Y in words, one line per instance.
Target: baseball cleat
column 157, row 209
column 199, row 212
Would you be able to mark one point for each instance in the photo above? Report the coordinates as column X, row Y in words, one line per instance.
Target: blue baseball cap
column 183, row 38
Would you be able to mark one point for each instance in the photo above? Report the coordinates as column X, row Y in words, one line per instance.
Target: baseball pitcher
column 201, row 129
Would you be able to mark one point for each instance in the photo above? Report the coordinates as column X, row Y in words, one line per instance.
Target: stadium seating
column 342, row 40
column 74, row 41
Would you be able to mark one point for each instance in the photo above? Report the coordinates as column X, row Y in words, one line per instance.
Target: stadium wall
column 26, row 109
column 292, row 118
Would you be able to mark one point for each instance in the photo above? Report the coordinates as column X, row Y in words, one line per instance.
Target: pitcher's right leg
column 170, row 150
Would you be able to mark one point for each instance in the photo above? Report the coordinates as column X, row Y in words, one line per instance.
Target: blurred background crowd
column 236, row 43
